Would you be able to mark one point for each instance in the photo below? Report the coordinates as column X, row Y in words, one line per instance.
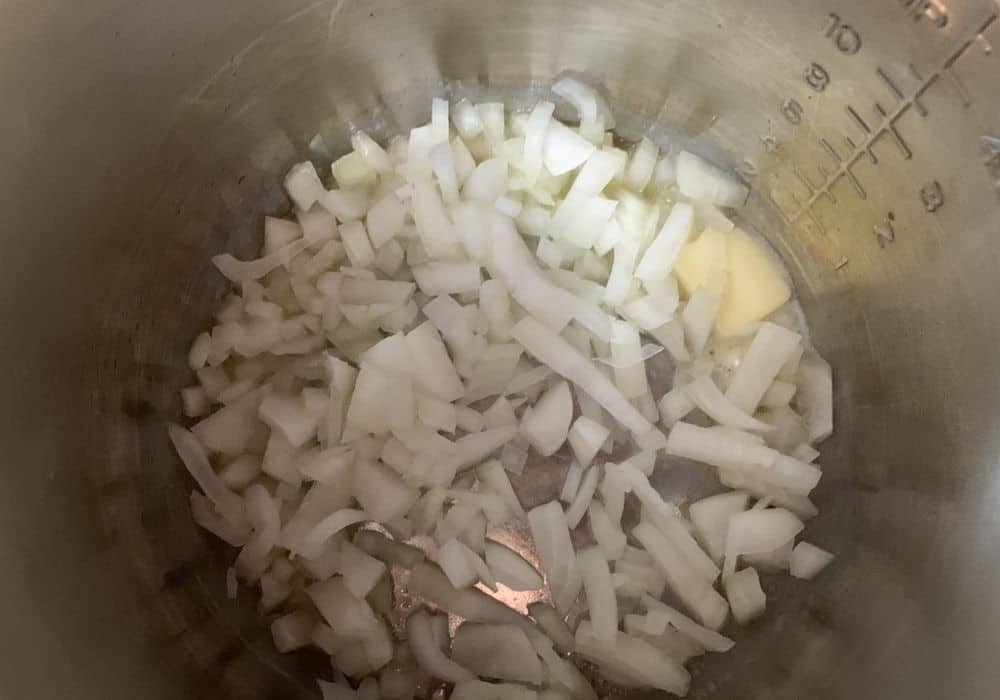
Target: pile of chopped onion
column 489, row 286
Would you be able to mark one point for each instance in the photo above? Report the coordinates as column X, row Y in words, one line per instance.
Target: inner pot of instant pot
column 860, row 131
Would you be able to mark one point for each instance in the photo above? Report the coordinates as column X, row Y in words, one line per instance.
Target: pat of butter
column 699, row 258
column 755, row 285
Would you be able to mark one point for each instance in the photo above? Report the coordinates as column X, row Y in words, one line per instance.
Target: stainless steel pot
column 140, row 137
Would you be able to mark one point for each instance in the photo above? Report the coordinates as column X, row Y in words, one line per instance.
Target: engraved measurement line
column 885, row 126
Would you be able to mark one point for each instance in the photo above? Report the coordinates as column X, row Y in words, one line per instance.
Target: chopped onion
column 770, row 350
column 427, row 652
column 510, row 568
column 564, row 149
column 600, row 593
column 633, row 659
column 808, row 560
column 563, row 359
column 293, row 631
column 586, row 437
column 710, row 517
column 695, row 592
column 360, row 570
column 229, row 505
column 760, row 531
column 492, row 474
column 429, row 583
column 594, row 114
column 607, row 532
column 699, row 179
column 481, row 690
column 716, row 406
column 581, row 500
column 746, row 597
column 659, row 257
column 546, row 424
column 555, row 549
column 497, row 651
column 710, row 639
column 341, row 361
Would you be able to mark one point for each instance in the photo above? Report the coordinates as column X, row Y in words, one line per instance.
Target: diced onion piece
column 592, row 110
column 192, row 454
column 436, row 278
column 350, row 616
column 771, row 348
column 607, row 532
column 481, row 690
column 487, row 182
column 492, row 474
column 497, row 651
column 466, row 120
column 555, row 549
column 808, row 560
column 429, row 215
column 553, row 625
column 546, row 424
column 712, row 447
column 746, row 597
column 373, row 153
column 699, row 179
column 381, row 492
column 586, row 437
column 433, row 371
column 470, row 450
column 357, row 244
column 454, row 559
column 427, row 652
column 303, row 185
column 715, row 405
column 581, row 501
column 641, row 165
column 510, row 568
column 626, row 353
column 331, row 525
column 600, row 593
column 389, row 551
column 293, row 631
column 710, row 639
column 760, row 531
column 370, row 412
column 779, row 394
column 675, row 405
column 564, row 149
column 549, row 348
column 711, row 520
column 804, row 452
column 429, row 583
column 698, row 317
column 385, row 220
column 661, row 254
column 633, row 659
column 241, row 271
column 695, row 592
column 571, row 484
column 360, row 570
column 352, row 171
column 442, row 161
column 677, row 532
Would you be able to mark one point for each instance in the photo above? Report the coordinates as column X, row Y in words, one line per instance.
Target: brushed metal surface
column 139, row 138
